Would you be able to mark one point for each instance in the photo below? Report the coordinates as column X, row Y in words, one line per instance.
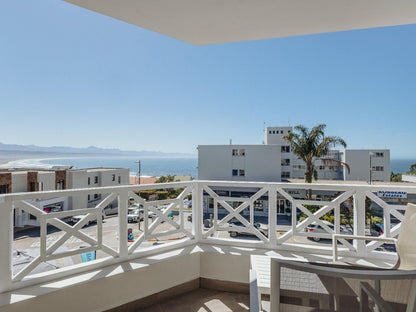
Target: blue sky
column 73, row 77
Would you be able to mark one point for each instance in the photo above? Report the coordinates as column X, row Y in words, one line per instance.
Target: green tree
column 395, row 177
column 412, row 168
column 312, row 145
column 165, row 179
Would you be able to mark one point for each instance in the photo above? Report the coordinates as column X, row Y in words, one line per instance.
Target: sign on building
column 392, row 194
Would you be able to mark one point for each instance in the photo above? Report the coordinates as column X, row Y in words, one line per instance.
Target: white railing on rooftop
column 196, row 234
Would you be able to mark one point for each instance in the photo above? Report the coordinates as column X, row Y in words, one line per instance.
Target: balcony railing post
column 273, row 216
column 6, row 243
column 122, row 224
column 197, row 210
column 359, row 221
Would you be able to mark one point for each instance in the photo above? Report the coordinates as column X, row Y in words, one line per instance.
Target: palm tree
column 312, row 145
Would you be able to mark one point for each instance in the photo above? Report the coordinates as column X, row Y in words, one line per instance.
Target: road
column 29, row 240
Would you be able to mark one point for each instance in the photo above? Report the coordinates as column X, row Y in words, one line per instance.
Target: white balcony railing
column 242, row 207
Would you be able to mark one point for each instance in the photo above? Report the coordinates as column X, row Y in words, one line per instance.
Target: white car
column 316, row 228
column 135, row 215
column 75, row 219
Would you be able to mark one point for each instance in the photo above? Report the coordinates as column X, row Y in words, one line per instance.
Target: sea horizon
column 150, row 166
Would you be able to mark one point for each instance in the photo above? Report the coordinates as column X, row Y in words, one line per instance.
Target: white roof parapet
column 202, row 22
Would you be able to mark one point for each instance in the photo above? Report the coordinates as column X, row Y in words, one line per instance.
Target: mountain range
column 93, row 150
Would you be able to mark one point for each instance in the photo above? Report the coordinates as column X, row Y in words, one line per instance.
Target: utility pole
column 140, row 169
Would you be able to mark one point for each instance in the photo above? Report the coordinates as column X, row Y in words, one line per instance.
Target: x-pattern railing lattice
column 161, row 216
column 222, row 225
column 48, row 253
column 327, row 206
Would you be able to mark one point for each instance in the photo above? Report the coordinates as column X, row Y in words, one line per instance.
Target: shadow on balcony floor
column 203, row 300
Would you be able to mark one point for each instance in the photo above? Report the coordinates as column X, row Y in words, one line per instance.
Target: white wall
column 273, row 135
column 19, row 182
column 77, row 179
column 359, row 162
column 47, row 180
column 260, row 162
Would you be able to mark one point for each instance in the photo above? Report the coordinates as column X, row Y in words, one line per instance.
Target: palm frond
column 328, row 161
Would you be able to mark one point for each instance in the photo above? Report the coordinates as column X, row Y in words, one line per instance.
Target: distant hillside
column 93, row 150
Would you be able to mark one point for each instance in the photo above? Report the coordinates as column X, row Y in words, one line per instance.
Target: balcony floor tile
column 204, row 300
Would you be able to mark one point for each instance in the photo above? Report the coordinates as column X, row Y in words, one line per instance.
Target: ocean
column 149, row 166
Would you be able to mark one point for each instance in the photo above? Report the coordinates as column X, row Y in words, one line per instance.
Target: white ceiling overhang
column 201, row 22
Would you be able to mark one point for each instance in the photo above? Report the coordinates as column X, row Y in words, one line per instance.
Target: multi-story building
column 23, row 180
column 274, row 161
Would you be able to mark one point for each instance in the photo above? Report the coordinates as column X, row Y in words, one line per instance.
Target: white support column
column 359, row 222
column 197, row 210
column 6, row 243
column 273, row 216
column 122, row 224
column 274, row 286
column 337, row 218
column 386, row 219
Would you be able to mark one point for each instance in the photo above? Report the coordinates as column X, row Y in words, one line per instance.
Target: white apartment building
column 26, row 180
column 274, row 161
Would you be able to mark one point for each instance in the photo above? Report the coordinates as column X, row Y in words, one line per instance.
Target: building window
column 285, row 175
column 96, row 179
column 321, row 168
column 89, row 197
column 32, row 187
column 270, row 132
column 96, row 196
column 281, row 131
column 378, row 168
column 285, row 162
column 241, row 173
column 89, row 180
column 285, row 149
column 274, row 132
column 60, row 185
column 241, row 152
column 288, row 131
column 378, row 154
column 119, row 180
column 4, row 189
column 113, row 177
column 235, row 172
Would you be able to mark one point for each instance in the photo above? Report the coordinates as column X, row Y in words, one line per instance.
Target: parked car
column 151, row 214
column 110, row 210
column 135, row 215
column 236, row 223
column 75, row 219
column 377, row 229
column 316, row 228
